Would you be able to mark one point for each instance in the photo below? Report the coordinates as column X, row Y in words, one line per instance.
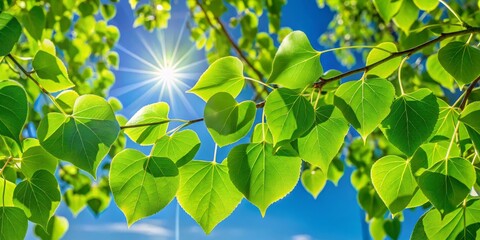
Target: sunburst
column 164, row 73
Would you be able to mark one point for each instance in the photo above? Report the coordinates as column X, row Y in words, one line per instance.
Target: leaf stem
column 410, row 51
column 259, row 82
column 451, row 10
column 215, row 154
column 400, row 84
column 29, row 75
column 468, row 92
column 224, row 30
column 5, row 165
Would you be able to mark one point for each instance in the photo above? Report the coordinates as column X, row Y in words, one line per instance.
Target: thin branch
column 237, row 49
column 410, row 51
column 468, row 92
column 29, row 75
column 185, row 122
column 5, row 165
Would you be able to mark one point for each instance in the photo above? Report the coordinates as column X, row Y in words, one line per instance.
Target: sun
column 169, row 75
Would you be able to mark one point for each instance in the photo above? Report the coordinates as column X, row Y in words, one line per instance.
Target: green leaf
column 461, row 61
column 261, row 176
column 57, row 227
column 447, row 120
column 261, row 133
column 462, row 223
column 323, row 142
column 226, row 120
column 429, row 154
column 360, row 105
column 52, row 73
column 296, row 64
column 66, row 100
column 13, row 109
column 289, row 115
column 35, row 158
column 181, row 147
column 406, row 16
column 10, row 31
column 385, row 69
column 314, row 181
column 34, row 22
column 411, row 120
column 471, row 115
column 223, row 75
column 335, row 171
column 394, row 182
column 206, row 193
column 13, row 223
column 98, row 200
column 76, row 201
column 38, row 196
column 371, row 202
column 6, row 190
column 92, row 127
column 447, row 183
column 438, row 73
column 142, row 185
column 150, row 114
column 387, row 8
column 426, row 5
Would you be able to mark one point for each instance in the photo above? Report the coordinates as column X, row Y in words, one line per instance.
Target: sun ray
column 151, row 52
column 177, row 45
column 137, row 57
column 131, row 87
column 141, row 71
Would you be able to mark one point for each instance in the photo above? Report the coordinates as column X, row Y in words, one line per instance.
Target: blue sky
column 333, row 215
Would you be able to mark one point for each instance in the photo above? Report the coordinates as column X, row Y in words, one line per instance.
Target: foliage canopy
column 407, row 119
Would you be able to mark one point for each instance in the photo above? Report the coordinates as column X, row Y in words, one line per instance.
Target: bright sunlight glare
column 162, row 70
column 168, row 75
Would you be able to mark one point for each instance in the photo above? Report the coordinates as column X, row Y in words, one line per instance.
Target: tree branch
column 29, row 75
column 237, row 49
column 186, row 122
column 468, row 92
column 409, row 51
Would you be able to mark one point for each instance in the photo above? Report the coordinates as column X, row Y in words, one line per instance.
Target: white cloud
column 302, row 237
column 152, row 228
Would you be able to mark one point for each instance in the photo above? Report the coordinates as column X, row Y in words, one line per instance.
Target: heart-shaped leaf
column 13, row 109
column 83, row 138
column 323, row 142
column 155, row 114
column 226, row 120
column 462, row 223
column 262, row 176
column 411, row 120
column 447, row 183
column 141, row 185
column 224, row 75
column 359, row 103
column 181, row 147
column 289, row 115
column 206, row 193
column 394, row 182
column 52, row 73
column 34, row 22
column 38, row 196
column 427, row 5
column 296, row 64
column 461, row 61
column 387, row 8
column 314, row 181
